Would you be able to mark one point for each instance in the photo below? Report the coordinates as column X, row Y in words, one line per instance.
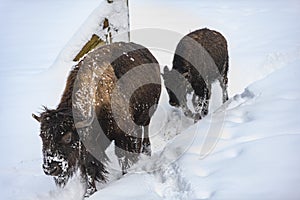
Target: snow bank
column 256, row 155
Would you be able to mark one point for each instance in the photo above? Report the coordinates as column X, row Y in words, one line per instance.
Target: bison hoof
column 124, row 171
column 197, row 117
column 89, row 192
column 174, row 104
column 146, row 150
column 123, row 162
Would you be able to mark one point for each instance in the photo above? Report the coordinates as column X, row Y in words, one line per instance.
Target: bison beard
column 201, row 57
column 68, row 146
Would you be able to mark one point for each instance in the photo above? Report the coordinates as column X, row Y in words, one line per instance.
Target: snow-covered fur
column 201, row 57
column 63, row 147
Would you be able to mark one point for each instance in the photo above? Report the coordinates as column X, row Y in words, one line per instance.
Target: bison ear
column 36, row 117
column 166, row 69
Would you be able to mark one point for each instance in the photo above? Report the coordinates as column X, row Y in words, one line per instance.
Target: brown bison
column 109, row 96
column 201, row 58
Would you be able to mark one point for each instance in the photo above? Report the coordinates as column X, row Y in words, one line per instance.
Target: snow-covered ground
column 246, row 149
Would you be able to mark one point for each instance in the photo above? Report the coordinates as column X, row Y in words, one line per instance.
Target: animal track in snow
column 202, row 172
column 233, row 153
column 234, row 114
column 238, row 117
column 172, row 185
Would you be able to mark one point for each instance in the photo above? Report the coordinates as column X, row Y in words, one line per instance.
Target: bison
column 99, row 106
column 201, row 58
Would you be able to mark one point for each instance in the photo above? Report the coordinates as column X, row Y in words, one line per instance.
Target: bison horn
column 85, row 123
column 186, row 74
column 36, row 117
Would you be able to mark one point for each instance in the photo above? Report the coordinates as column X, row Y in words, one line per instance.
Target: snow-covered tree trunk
column 113, row 26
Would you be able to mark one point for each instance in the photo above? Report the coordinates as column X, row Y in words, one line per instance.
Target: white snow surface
column 251, row 151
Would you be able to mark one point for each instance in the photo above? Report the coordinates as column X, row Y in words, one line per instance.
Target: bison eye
column 67, row 138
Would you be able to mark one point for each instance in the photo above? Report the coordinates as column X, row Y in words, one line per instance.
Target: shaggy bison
column 201, row 57
column 97, row 94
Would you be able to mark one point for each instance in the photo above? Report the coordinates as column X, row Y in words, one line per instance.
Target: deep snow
column 255, row 154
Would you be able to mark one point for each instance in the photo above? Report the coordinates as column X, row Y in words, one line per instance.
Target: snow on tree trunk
column 112, row 26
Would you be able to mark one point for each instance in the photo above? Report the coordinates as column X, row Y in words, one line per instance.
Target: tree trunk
column 113, row 27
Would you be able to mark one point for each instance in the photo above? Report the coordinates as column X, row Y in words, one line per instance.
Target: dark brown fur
column 190, row 60
column 57, row 123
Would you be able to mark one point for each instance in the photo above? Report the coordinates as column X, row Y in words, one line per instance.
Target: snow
column 245, row 149
column 255, row 156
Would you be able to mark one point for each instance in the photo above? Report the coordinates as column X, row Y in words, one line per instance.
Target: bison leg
column 128, row 148
column 123, row 162
column 121, row 151
column 201, row 104
column 91, row 186
column 224, row 80
column 187, row 112
column 146, row 149
column 90, row 190
column 92, row 170
column 205, row 102
column 139, row 140
column 224, row 83
column 134, row 145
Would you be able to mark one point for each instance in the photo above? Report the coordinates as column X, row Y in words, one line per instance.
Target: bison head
column 61, row 144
